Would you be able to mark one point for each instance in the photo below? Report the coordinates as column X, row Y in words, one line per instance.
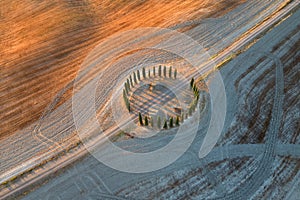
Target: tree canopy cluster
column 136, row 77
column 170, row 121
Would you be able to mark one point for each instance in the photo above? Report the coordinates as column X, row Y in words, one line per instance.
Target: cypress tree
column 144, row 72
column 124, row 95
column 146, row 121
column 170, row 72
column 154, row 71
column 149, row 73
column 126, row 88
column 159, row 70
column 165, row 71
column 134, row 77
column 131, row 83
column 177, row 121
column 171, row 122
column 138, row 75
column 175, row 73
column 194, row 88
column 128, row 84
column 196, row 96
column 141, row 119
column 158, row 122
column 128, row 104
column 196, row 93
column 192, row 82
column 165, row 125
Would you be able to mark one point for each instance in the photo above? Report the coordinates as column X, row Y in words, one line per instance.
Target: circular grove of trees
column 160, row 122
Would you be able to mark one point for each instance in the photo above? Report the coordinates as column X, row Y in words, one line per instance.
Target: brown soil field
column 42, row 44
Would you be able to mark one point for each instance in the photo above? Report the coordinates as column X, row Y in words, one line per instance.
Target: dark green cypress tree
column 175, row 73
column 165, row 71
column 131, row 83
column 126, row 88
column 165, row 125
column 146, row 121
column 151, row 121
column 154, row 71
column 134, row 78
column 177, row 121
column 144, row 73
column 196, row 93
column 159, row 70
column 192, row 82
column 171, row 122
column 128, row 84
column 149, row 73
column 170, row 72
column 138, row 75
column 141, row 119
column 124, row 95
column 128, row 104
